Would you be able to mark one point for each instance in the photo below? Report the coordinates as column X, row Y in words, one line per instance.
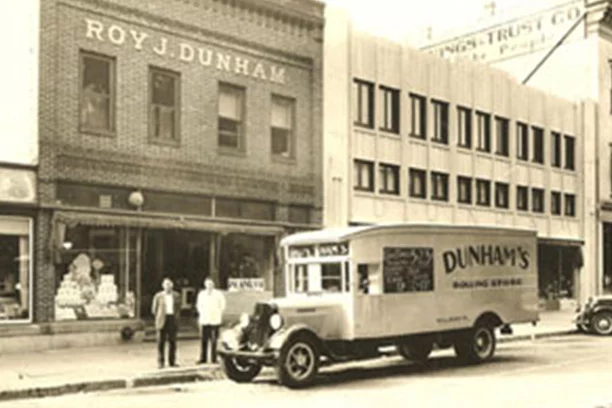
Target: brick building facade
column 177, row 138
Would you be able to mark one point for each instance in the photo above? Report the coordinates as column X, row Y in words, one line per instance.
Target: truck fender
column 279, row 338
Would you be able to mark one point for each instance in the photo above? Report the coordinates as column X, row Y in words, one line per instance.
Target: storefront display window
column 15, row 269
column 246, row 263
column 95, row 279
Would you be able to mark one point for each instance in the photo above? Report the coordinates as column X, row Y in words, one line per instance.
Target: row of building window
column 98, row 95
column 390, row 122
column 389, row 183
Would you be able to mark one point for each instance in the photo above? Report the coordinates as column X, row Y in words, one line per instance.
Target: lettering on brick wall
column 183, row 51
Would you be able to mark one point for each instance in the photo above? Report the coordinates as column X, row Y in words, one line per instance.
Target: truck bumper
column 259, row 356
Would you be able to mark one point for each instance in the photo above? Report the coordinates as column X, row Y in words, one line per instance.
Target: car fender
column 278, row 339
column 600, row 308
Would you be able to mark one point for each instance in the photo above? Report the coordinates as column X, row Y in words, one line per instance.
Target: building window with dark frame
column 439, row 186
column 97, row 102
column 483, row 131
column 555, row 203
column 570, row 205
column 464, row 190
column 522, row 141
column 537, row 200
column 570, row 154
column 282, row 137
column 502, row 195
column 502, row 130
column 538, row 144
column 555, row 142
column 418, row 115
column 440, row 121
column 483, row 192
column 363, row 175
column 164, row 105
column 231, row 116
column 389, row 178
column 522, row 198
column 417, row 183
column 391, row 109
column 364, row 103
column 464, row 130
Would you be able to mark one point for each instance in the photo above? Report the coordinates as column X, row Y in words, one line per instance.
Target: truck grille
column 259, row 330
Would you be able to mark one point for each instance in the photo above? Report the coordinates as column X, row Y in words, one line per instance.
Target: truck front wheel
column 476, row 345
column 238, row 370
column 601, row 323
column 298, row 362
column 415, row 350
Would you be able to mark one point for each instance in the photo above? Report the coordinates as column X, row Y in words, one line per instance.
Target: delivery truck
column 352, row 292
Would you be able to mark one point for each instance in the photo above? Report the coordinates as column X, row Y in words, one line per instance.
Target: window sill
column 464, row 147
column 390, row 135
column 363, row 191
column 502, row 157
column 390, row 132
column 98, row 133
column 483, row 153
column 440, row 145
column 420, row 138
column 161, row 142
column 230, row 151
column 365, row 131
column 364, row 126
column 283, row 160
column 389, row 193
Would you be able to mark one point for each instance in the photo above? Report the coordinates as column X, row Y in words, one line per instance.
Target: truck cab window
column 364, row 279
column 331, row 277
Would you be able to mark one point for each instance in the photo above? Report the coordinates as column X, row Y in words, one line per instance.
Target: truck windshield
column 320, row 277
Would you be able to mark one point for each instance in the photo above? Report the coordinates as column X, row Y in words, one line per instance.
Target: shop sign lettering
column 333, row 249
column 245, row 284
column 17, row 186
column 301, row 252
column 512, row 38
column 487, row 283
column 183, row 51
column 485, row 255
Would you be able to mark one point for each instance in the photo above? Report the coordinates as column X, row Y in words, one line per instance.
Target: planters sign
column 485, row 255
column 512, row 38
column 186, row 52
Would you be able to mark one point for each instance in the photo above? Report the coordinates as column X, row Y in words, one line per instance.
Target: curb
column 537, row 336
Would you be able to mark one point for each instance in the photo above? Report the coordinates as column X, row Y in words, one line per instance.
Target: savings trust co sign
column 183, row 51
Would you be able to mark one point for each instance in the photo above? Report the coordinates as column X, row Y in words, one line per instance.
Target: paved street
column 570, row 371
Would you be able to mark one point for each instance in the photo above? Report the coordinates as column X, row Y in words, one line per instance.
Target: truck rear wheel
column 238, row 370
column 298, row 362
column 476, row 345
column 415, row 350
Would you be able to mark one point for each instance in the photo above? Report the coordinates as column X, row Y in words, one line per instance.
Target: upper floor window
column 97, row 93
column 418, row 183
column 483, row 192
column 483, row 126
column 440, row 116
column 555, row 149
column 502, row 136
column 501, row 195
column 522, row 198
column 570, row 205
column 570, row 154
column 464, row 190
column 538, row 144
column 522, row 141
column 464, row 122
column 389, row 179
column 537, row 200
column 391, row 110
column 555, row 202
column 282, row 134
column 363, row 175
column 364, row 103
column 418, row 114
column 439, row 186
column 164, row 105
column 231, row 117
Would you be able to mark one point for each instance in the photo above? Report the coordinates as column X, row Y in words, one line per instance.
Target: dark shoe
column 201, row 362
column 174, row 365
column 160, row 365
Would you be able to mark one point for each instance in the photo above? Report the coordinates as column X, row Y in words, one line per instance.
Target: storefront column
column 215, row 254
column 138, row 271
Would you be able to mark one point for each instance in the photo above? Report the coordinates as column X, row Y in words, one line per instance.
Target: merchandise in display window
column 15, row 269
column 246, row 263
column 95, row 278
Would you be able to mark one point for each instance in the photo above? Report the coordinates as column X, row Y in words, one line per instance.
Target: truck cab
column 352, row 291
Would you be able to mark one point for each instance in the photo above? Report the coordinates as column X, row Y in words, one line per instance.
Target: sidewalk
column 57, row 372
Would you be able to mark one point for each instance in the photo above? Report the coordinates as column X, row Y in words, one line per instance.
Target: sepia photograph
column 300, row 203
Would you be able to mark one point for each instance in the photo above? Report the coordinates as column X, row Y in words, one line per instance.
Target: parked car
column 595, row 316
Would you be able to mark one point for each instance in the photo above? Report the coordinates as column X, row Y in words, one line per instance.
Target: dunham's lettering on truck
column 485, row 255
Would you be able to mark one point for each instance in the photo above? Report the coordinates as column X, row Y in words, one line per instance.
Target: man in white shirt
column 165, row 309
column 210, row 304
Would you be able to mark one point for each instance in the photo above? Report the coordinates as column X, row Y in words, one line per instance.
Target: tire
column 477, row 345
column 299, row 361
column 415, row 350
column 601, row 323
column 583, row 328
column 240, row 371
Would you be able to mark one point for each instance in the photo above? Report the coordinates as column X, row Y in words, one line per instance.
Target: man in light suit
column 210, row 304
column 166, row 307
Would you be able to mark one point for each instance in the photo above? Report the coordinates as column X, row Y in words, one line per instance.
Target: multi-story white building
column 565, row 49
column 414, row 137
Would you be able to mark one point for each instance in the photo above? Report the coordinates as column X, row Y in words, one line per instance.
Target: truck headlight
column 244, row 321
column 230, row 339
column 276, row 321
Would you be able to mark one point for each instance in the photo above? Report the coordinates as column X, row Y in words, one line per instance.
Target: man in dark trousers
column 165, row 309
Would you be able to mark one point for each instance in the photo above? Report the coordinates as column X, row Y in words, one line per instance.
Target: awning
column 565, row 242
column 73, row 218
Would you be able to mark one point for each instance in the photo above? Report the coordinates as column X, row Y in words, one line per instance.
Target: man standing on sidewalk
column 210, row 305
column 165, row 308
